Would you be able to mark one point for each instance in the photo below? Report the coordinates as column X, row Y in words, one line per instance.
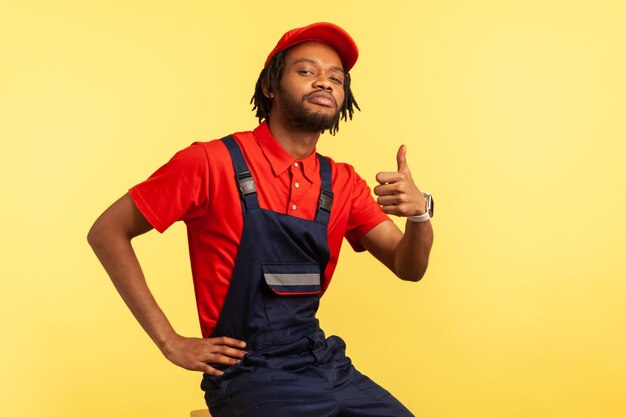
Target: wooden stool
column 200, row 413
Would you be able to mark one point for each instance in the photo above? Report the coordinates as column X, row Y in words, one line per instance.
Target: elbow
column 412, row 267
column 411, row 276
column 93, row 236
column 98, row 235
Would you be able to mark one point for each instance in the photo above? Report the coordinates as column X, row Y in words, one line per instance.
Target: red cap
column 327, row 33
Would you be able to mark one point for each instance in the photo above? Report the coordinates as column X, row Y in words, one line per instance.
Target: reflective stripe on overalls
column 290, row 369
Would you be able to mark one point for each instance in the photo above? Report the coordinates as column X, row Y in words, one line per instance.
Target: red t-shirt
column 198, row 187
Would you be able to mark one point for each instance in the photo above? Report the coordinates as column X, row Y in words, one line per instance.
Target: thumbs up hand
column 397, row 193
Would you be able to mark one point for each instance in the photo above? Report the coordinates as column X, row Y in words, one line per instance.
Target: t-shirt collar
column 279, row 158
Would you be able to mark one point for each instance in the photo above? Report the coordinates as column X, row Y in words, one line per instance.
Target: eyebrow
column 314, row 61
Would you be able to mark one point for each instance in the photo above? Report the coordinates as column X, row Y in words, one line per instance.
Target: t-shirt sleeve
column 365, row 213
column 176, row 191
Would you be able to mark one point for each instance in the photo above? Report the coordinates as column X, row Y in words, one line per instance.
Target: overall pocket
column 293, row 279
column 291, row 295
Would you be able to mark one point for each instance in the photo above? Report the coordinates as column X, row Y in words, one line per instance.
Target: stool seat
column 200, row 413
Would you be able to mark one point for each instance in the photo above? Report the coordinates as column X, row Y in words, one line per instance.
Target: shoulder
column 211, row 152
column 344, row 174
column 200, row 149
column 194, row 153
column 216, row 149
column 341, row 169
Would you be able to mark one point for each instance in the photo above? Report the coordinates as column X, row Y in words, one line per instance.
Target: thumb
column 401, row 158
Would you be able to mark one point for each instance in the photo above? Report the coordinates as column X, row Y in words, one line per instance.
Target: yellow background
column 514, row 116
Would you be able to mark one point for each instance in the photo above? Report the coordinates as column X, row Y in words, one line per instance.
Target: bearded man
column 266, row 216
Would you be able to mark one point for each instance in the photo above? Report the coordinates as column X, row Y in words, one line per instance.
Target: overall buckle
column 246, row 183
column 326, row 200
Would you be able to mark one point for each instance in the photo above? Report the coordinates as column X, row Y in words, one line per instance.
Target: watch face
column 430, row 204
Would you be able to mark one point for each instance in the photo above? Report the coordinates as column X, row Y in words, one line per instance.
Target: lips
column 322, row 98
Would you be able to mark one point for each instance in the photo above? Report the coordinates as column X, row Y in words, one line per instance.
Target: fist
column 397, row 192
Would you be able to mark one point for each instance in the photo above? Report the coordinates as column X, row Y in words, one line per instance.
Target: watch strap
column 419, row 219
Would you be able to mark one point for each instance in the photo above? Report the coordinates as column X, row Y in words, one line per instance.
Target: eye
column 305, row 72
column 336, row 80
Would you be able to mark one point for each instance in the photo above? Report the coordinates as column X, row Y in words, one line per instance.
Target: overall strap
column 326, row 193
column 243, row 176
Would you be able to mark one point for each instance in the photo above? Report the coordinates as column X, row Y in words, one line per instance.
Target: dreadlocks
column 269, row 79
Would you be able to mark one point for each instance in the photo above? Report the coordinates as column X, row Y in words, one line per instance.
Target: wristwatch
column 430, row 210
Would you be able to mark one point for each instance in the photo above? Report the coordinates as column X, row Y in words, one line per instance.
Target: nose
column 323, row 82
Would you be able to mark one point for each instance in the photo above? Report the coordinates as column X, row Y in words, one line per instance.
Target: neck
column 298, row 143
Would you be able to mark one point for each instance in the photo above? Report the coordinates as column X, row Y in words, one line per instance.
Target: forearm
column 413, row 251
column 405, row 254
column 116, row 254
column 118, row 258
column 110, row 237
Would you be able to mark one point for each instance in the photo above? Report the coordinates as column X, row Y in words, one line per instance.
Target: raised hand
column 397, row 192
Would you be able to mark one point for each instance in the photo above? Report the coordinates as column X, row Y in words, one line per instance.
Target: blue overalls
column 291, row 369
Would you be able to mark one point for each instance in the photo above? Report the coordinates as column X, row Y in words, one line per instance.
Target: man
column 266, row 216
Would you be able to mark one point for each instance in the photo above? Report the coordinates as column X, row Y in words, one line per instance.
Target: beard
column 300, row 117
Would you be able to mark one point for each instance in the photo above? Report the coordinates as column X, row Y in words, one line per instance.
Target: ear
column 266, row 92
